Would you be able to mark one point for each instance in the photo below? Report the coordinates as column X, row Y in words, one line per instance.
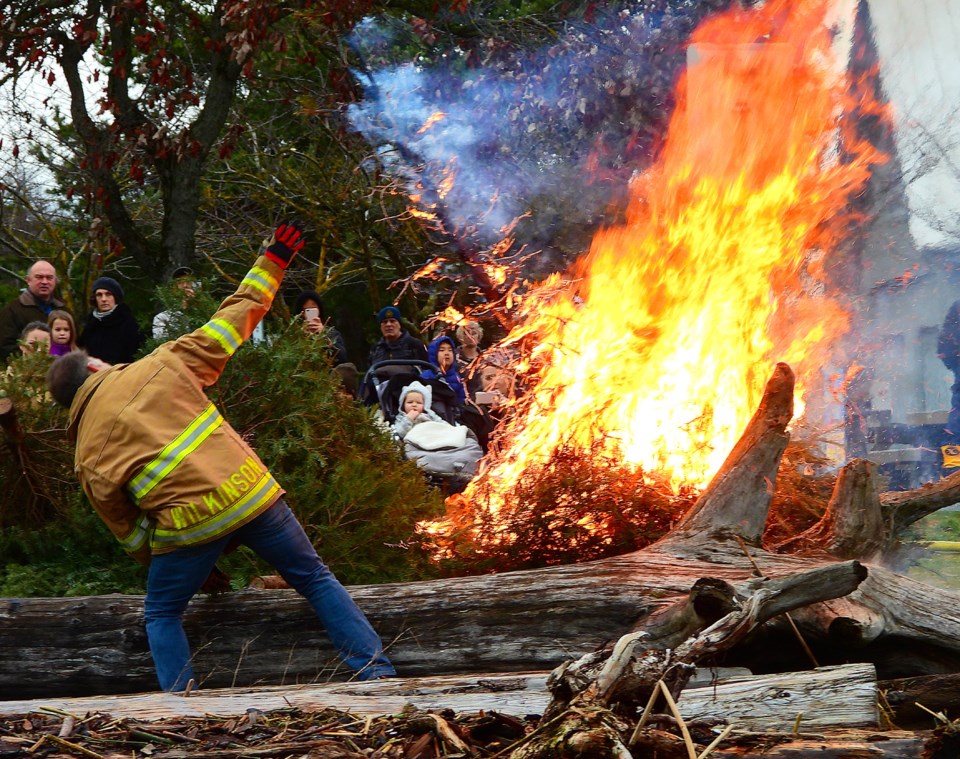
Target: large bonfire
column 652, row 353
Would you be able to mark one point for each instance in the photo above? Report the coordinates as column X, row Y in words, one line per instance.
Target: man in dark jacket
column 396, row 341
column 111, row 332
column 395, row 344
column 33, row 304
column 948, row 349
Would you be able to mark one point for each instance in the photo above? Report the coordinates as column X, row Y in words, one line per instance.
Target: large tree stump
column 737, row 500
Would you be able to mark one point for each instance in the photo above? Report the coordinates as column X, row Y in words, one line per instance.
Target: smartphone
column 486, row 398
column 311, row 313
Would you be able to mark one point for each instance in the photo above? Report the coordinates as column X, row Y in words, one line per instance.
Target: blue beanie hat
column 110, row 285
column 388, row 312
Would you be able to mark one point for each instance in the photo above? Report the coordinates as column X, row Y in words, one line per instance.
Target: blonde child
column 435, row 445
column 415, row 409
column 63, row 333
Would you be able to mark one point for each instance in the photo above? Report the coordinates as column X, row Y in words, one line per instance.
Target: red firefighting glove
column 217, row 581
column 287, row 240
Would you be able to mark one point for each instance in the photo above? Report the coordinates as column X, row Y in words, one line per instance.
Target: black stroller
column 377, row 376
column 443, row 467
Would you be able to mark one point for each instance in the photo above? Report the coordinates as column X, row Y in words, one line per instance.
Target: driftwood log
column 845, row 695
column 708, row 590
column 788, row 715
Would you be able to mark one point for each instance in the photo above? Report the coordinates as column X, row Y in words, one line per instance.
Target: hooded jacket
column 450, row 376
column 158, row 462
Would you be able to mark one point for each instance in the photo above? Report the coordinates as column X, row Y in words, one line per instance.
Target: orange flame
column 427, row 270
column 451, row 316
column 431, row 120
column 658, row 347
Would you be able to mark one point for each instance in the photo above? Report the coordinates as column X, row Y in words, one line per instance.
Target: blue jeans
column 277, row 537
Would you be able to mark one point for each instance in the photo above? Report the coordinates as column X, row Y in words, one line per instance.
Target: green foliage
column 36, row 471
column 72, row 555
column 941, row 525
column 344, row 476
column 51, row 542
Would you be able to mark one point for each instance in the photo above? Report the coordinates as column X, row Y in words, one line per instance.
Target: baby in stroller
column 438, row 447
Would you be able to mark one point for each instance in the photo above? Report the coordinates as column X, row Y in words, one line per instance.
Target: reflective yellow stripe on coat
column 263, row 281
column 223, row 522
column 224, row 333
column 176, row 451
column 138, row 536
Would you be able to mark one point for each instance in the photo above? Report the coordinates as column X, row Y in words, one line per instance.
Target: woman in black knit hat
column 111, row 332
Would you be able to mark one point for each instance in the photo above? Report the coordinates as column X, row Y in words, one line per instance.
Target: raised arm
column 206, row 351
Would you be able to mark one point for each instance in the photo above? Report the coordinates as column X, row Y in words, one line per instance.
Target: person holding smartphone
column 309, row 306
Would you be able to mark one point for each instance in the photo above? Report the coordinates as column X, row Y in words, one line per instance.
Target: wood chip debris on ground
column 417, row 734
column 327, row 734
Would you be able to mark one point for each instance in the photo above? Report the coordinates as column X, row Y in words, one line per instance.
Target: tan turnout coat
column 158, row 462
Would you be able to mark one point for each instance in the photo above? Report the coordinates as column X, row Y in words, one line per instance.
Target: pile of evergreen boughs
column 344, row 477
column 577, row 506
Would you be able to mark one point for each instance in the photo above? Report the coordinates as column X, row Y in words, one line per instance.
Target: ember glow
column 655, row 350
column 434, row 118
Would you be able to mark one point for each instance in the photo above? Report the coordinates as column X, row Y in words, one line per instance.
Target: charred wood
column 915, row 702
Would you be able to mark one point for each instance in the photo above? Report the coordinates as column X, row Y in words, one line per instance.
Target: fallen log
column 595, row 696
column 629, row 672
column 518, row 621
column 832, row 697
column 904, row 508
column 915, row 702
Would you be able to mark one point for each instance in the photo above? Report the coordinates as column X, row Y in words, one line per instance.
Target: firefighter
column 177, row 485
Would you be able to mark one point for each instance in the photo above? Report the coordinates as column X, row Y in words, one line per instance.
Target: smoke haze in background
column 558, row 132
column 555, row 132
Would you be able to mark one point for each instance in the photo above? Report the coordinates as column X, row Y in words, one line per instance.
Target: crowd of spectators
column 451, row 365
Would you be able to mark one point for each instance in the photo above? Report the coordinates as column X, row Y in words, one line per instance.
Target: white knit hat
column 425, row 390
